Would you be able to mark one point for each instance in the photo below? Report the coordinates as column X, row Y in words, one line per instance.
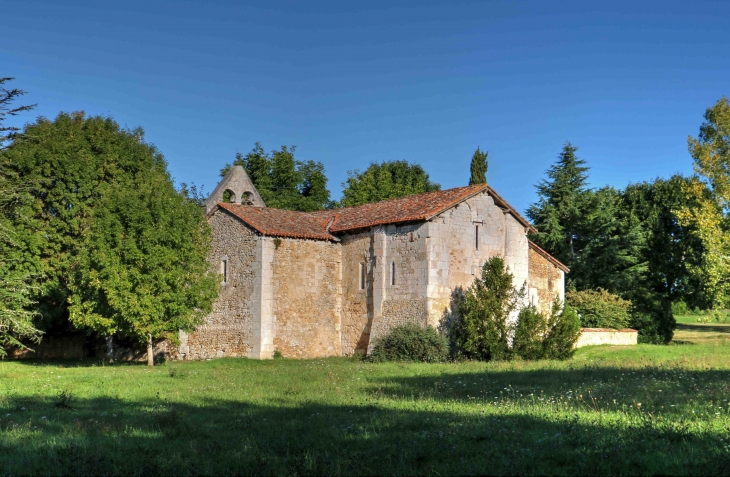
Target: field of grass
column 611, row 410
column 703, row 318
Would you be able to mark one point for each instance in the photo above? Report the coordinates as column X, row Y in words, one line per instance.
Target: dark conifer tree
column 479, row 167
column 559, row 214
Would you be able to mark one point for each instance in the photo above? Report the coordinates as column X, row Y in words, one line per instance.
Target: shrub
column 529, row 333
column 680, row 308
column 481, row 329
column 551, row 337
column 563, row 330
column 600, row 309
column 411, row 342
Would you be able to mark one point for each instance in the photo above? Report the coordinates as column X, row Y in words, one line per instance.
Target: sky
column 350, row 83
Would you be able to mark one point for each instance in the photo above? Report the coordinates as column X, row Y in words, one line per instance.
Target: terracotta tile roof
column 282, row 223
column 547, row 256
column 314, row 225
column 411, row 208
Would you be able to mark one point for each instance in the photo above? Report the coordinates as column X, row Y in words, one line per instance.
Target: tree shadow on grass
column 661, row 390
column 76, row 363
column 704, row 328
column 112, row 436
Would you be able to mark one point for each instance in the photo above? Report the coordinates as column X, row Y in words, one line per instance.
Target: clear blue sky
column 353, row 82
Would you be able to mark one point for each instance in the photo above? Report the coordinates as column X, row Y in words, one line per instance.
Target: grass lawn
column 610, row 410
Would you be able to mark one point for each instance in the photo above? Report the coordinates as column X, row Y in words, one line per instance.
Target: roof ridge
column 410, row 196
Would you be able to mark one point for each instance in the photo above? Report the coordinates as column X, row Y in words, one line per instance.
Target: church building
column 329, row 283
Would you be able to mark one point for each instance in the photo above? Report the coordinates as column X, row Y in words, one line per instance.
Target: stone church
column 328, row 283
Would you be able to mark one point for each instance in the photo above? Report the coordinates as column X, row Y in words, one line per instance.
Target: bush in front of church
column 411, row 342
column 482, row 327
column 484, row 331
column 546, row 337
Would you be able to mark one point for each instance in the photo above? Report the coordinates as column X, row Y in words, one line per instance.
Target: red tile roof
column 314, row 225
column 282, row 223
column 411, row 208
column 547, row 256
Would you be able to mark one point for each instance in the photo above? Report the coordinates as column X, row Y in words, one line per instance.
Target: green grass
column 704, row 318
column 611, row 410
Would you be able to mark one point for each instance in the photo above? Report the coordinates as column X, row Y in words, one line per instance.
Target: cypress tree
column 479, row 167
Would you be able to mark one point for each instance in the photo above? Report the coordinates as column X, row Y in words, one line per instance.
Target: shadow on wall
column 285, row 437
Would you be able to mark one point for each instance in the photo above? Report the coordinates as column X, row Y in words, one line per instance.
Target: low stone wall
column 606, row 336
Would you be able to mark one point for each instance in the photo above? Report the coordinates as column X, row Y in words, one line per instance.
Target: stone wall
column 229, row 329
column 603, row 336
column 357, row 303
column 545, row 282
column 454, row 257
column 400, row 277
column 307, row 298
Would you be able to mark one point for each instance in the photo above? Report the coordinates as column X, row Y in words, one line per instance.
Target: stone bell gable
column 240, row 190
column 329, row 283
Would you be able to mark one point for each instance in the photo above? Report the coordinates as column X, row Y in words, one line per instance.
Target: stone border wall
column 606, row 336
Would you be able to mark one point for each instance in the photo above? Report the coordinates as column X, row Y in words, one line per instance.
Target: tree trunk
column 110, row 348
column 150, row 351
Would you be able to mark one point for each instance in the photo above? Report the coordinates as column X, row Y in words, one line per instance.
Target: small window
column 362, row 276
column 392, row 273
column 476, row 235
column 224, row 270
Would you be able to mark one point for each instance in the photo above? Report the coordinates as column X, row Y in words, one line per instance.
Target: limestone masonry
column 329, row 283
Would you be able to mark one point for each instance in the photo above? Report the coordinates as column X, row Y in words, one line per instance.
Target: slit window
column 476, row 236
column 392, row 273
column 224, row 270
column 362, row 276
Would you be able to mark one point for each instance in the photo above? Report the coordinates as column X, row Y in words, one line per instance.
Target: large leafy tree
column 386, row 180
column 16, row 288
column 142, row 269
column 559, row 214
column 709, row 193
column 479, row 167
column 283, row 181
column 82, row 169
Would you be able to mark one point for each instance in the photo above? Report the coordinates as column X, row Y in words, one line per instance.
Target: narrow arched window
column 224, row 270
column 362, row 276
column 476, row 235
column 392, row 273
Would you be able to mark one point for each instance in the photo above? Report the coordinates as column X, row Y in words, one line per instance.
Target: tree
column 283, row 181
column 7, row 96
column 479, row 167
column 142, row 269
column 612, row 244
column 709, row 192
column 16, row 287
column 83, row 170
column 483, row 328
column 559, row 212
column 387, row 180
